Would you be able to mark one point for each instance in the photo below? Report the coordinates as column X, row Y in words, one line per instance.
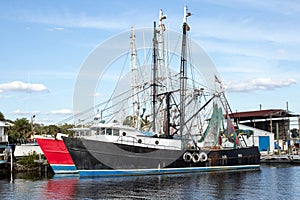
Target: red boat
column 57, row 154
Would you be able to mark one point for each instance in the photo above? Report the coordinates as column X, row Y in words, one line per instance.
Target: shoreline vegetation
column 31, row 163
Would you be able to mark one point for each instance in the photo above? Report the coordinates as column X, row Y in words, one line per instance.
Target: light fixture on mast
column 161, row 17
column 186, row 14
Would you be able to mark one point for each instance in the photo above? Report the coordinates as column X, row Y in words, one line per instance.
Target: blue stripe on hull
column 136, row 172
column 64, row 169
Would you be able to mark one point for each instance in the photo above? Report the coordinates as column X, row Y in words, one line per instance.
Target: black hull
column 133, row 157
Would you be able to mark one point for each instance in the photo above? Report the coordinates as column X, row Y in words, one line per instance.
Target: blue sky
column 255, row 46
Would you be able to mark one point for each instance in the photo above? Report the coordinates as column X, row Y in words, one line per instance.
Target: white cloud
column 19, row 86
column 61, row 112
column 259, row 84
column 21, row 112
column 56, row 29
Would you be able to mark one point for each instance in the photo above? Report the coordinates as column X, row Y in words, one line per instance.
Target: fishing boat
column 281, row 159
column 173, row 124
column 295, row 159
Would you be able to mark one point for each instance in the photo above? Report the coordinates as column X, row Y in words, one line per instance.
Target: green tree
column 51, row 129
column 20, row 131
column 2, row 118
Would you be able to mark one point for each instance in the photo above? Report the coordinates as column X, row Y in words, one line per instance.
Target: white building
column 3, row 137
column 263, row 139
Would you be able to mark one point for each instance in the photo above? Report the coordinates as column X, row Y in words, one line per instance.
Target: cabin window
column 98, row 131
column 102, row 131
column 116, row 132
column 108, row 131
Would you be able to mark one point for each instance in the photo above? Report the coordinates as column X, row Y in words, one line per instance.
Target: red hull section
column 55, row 151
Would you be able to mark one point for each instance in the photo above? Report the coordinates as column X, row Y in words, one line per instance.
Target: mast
column 183, row 70
column 134, row 79
column 154, row 77
column 161, row 45
column 161, row 71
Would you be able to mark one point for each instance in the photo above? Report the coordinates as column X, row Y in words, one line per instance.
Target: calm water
column 272, row 182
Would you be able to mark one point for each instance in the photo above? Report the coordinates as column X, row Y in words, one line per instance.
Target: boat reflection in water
column 60, row 187
column 217, row 185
